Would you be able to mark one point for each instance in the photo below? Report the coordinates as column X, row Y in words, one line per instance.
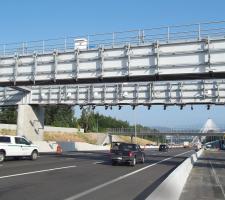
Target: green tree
column 8, row 115
column 87, row 120
column 60, row 116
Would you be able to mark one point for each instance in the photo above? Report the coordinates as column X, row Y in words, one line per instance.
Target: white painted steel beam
column 190, row 51
column 200, row 59
column 142, row 93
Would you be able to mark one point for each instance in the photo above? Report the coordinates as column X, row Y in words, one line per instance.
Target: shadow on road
column 148, row 190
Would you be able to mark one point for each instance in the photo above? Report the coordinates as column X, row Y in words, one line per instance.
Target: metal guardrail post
column 23, row 48
column 113, row 39
column 65, row 44
column 168, row 34
column 199, row 31
column 4, row 50
column 88, row 41
column 139, row 37
column 143, row 36
column 43, row 46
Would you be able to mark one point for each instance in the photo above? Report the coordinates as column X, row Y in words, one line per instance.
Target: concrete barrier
column 46, row 128
column 81, row 146
column 8, row 126
column 46, row 147
column 171, row 188
column 50, row 147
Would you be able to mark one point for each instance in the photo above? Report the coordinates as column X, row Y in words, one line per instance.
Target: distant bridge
column 168, row 132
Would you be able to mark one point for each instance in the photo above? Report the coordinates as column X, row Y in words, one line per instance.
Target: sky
column 26, row 20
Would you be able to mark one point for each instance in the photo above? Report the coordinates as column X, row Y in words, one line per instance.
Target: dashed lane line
column 99, row 162
column 79, row 195
column 36, row 172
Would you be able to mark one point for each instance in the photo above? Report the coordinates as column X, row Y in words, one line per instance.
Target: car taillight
column 130, row 154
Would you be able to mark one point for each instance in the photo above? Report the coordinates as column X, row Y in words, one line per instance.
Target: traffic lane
column 139, row 185
column 87, row 174
column 63, row 183
column 72, row 158
column 14, row 166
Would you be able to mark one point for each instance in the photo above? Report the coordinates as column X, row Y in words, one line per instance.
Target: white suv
column 16, row 146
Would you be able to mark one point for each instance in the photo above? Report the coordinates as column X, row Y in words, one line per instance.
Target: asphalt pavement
column 207, row 178
column 86, row 175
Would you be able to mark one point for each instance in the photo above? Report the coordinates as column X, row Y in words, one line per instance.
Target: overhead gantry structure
column 201, row 59
column 175, row 65
column 179, row 93
column 194, row 51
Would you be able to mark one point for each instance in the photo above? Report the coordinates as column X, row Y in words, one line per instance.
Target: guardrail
column 171, row 188
column 166, row 34
column 165, row 131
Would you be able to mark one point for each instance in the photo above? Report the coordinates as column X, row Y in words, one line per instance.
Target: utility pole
column 97, row 124
column 135, row 127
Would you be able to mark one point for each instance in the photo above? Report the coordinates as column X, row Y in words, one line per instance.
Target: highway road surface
column 86, row 175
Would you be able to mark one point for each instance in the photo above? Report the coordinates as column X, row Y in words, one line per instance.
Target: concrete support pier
column 30, row 122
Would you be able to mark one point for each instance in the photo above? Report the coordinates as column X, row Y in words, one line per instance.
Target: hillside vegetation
column 64, row 116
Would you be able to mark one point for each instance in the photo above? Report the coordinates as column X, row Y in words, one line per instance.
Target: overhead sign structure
column 178, row 54
column 110, row 94
column 140, row 67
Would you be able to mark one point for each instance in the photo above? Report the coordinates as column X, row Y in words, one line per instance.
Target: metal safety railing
column 140, row 131
column 167, row 34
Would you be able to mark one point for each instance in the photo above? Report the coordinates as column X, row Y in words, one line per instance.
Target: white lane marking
column 98, row 162
column 76, row 154
column 35, row 172
column 119, row 178
column 217, row 179
column 69, row 159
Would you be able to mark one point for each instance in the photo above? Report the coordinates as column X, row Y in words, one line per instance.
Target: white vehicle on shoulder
column 17, row 146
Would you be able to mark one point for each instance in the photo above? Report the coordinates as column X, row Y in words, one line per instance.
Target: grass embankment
column 78, row 137
column 140, row 141
column 7, row 132
column 71, row 137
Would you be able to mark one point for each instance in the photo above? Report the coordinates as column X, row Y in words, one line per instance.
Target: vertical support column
column 100, row 71
column 30, row 122
column 132, row 138
column 110, row 139
column 127, row 54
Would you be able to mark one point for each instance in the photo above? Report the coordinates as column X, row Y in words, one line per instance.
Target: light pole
column 135, row 127
column 97, row 124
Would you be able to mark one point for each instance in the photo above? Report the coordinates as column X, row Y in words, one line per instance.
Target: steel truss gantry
column 194, row 51
column 112, row 94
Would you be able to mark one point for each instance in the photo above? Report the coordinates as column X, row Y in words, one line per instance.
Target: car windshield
column 127, row 147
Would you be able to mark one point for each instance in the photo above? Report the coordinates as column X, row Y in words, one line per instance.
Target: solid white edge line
column 217, row 179
column 35, row 172
column 120, row 178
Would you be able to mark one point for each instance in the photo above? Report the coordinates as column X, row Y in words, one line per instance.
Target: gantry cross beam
column 117, row 94
column 194, row 51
